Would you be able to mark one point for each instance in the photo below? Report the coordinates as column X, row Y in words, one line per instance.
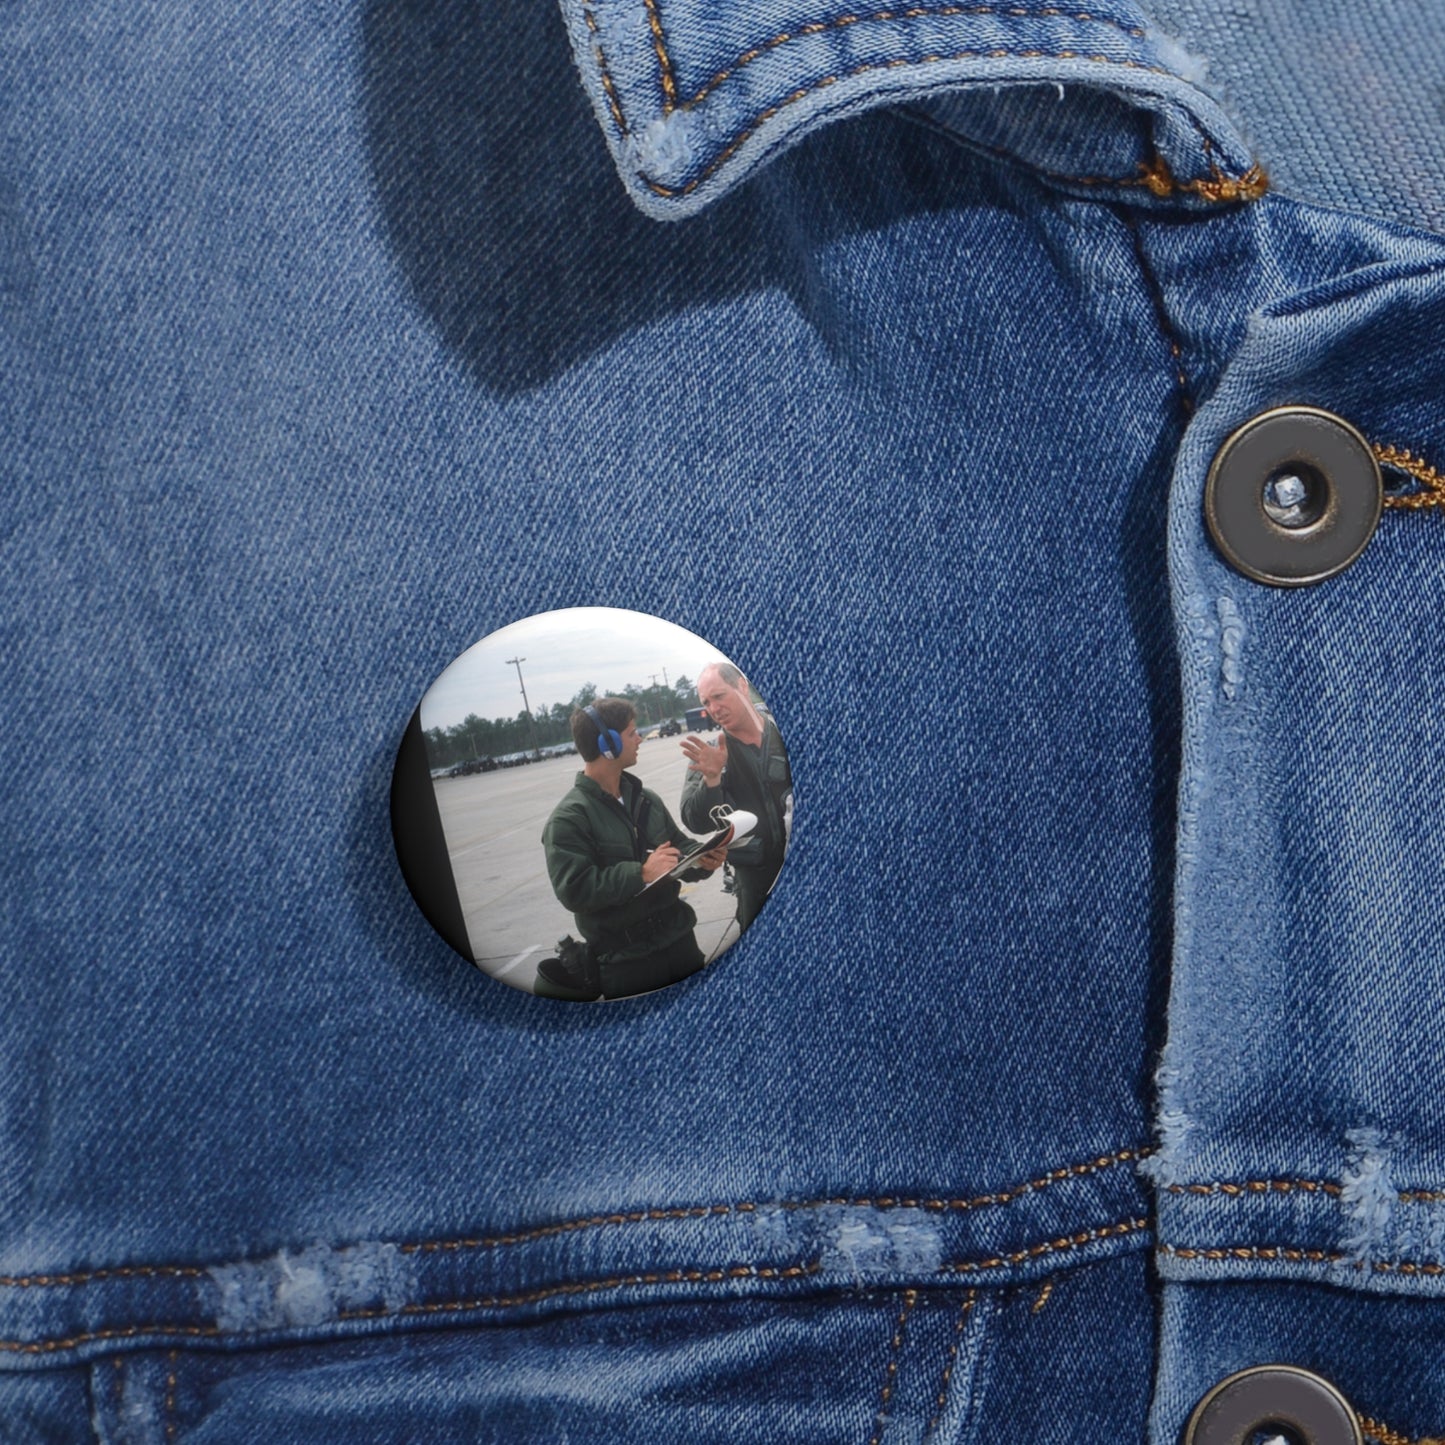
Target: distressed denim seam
column 822, row 83
column 614, row 102
column 120, row 1332
column 1219, row 187
column 998, row 1198
column 581, row 1287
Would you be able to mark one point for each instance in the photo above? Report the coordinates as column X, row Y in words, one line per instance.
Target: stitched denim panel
column 326, row 367
column 1300, row 1133
column 959, row 1364
column 693, row 101
column 600, row 1261
column 327, row 348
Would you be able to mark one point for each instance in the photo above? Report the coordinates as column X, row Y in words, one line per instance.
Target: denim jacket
column 1091, row 1045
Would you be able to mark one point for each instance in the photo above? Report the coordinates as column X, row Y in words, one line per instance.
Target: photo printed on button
column 592, row 804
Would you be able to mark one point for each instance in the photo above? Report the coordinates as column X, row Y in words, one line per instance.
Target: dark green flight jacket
column 759, row 780
column 594, row 858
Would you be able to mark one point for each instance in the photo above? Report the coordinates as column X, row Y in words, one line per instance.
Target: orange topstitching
column 941, row 1402
column 671, row 1276
column 1217, row 188
column 1258, row 1186
column 613, row 103
column 886, row 1201
column 1296, row 1255
column 890, row 1375
column 1387, row 1436
column 170, row 1402
column 1432, row 496
column 1239, row 1188
column 841, row 22
column 1052, row 1246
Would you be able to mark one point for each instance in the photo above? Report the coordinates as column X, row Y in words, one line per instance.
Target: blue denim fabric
column 332, row 343
column 693, row 107
column 1341, row 97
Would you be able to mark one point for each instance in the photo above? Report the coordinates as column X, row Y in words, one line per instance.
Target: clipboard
column 739, row 824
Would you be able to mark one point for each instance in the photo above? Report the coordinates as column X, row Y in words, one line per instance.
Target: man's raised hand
column 709, row 759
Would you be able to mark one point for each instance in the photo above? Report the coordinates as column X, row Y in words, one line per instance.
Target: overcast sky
column 561, row 651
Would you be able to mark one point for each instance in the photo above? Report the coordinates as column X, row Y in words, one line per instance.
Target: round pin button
column 591, row 803
column 1293, row 496
column 1279, row 1399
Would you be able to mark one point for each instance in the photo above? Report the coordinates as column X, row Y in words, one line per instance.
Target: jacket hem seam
column 687, row 1276
column 995, row 1199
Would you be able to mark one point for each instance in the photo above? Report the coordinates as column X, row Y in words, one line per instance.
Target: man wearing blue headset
column 610, row 845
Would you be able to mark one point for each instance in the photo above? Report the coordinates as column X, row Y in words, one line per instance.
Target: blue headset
column 609, row 740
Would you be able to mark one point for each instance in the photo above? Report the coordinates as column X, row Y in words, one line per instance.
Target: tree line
column 479, row 737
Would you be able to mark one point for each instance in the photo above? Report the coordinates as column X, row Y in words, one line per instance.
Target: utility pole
column 527, row 707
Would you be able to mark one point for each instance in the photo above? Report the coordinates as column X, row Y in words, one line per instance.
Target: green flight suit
column 595, row 845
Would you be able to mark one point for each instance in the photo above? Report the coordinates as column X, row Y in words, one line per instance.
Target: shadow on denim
column 506, row 215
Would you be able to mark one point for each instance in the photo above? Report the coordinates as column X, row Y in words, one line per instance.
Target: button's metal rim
column 1221, row 457
column 1230, row 1381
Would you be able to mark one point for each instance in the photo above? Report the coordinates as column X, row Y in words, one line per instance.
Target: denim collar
column 695, row 95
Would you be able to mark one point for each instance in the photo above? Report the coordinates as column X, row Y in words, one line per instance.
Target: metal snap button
column 1284, row 1399
column 1293, row 496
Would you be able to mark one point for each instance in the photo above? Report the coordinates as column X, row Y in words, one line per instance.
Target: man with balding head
column 746, row 768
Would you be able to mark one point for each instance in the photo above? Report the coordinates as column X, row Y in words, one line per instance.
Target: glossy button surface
column 1278, row 1398
column 591, row 804
column 1293, row 496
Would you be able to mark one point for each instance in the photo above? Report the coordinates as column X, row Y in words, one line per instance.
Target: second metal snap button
column 1278, row 1398
column 1293, row 496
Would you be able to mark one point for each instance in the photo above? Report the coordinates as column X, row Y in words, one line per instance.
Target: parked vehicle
column 472, row 765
